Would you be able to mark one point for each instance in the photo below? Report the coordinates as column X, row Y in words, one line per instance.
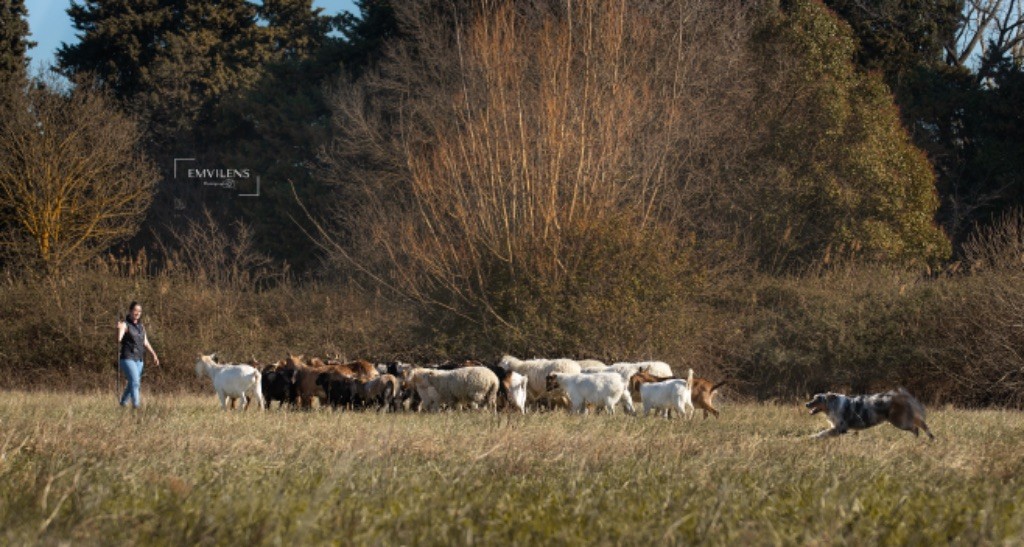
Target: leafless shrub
column 529, row 141
column 73, row 178
column 998, row 246
column 225, row 257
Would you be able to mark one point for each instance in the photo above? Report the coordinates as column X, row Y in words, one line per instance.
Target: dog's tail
column 911, row 401
column 718, row 385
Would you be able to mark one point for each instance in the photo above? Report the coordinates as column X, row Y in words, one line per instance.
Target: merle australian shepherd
column 898, row 407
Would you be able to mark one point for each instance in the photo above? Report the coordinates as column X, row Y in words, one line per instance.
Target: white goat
column 669, row 395
column 602, row 389
column 231, row 381
column 537, row 371
column 517, row 386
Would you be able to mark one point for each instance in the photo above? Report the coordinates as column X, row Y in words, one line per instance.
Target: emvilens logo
column 218, row 177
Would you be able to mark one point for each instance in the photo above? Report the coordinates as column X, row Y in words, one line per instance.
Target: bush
column 68, row 325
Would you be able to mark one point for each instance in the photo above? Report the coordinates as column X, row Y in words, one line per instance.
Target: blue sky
column 49, row 24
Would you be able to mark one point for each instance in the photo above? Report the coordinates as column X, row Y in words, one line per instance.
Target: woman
column 132, row 337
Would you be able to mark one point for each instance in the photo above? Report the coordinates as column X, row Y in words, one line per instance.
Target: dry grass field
column 78, row 469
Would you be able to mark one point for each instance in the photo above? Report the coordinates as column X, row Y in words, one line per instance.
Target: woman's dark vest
column 133, row 343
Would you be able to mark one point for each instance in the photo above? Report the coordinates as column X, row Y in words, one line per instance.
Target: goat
column 601, row 389
column 234, row 381
column 337, row 388
column 668, row 395
column 276, row 385
column 382, row 390
column 703, row 393
column 537, row 371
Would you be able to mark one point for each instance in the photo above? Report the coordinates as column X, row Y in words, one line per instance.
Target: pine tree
column 366, row 33
column 168, row 60
column 14, row 41
column 294, row 28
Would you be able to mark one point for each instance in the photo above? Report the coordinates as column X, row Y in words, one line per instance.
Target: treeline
column 796, row 194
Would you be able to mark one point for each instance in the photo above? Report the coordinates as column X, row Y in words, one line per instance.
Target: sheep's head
column 505, row 361
column 552, row 382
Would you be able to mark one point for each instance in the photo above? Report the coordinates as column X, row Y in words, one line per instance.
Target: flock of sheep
column 510, row 383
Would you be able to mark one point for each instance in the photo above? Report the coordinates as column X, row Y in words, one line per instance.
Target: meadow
column 76, row 468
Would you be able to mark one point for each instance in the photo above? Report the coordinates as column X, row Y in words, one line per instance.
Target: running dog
column 898, row 407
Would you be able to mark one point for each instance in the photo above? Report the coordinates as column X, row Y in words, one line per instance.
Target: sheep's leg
column 223, row 401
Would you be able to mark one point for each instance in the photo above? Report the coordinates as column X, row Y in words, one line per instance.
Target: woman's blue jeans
column 133, row 372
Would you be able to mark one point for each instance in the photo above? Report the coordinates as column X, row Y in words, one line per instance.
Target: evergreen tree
column 187, row 69
column 847, row 180
column 991, row 148
column 900, row 36
column 293, row 27
column 278, row 126
column 14, row 41
column 366, row 33
column 168, row 60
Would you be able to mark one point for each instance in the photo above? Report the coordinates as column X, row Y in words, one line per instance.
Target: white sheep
column 231, row 381
column 592, row 365
column 602, row 389
column 475, row 386
column 626, row 370
column 537, row 371
column 660, row 369
column 669, row 395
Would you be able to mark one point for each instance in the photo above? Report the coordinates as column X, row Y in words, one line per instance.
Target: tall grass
column 77, row 468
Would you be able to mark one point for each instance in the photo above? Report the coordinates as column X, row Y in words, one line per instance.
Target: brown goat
column 304, row 376
column 703, row 393
column 361, row 369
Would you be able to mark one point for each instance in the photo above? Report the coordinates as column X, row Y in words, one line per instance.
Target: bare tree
column 73, row 179
column 989, row 30
column 211, row 253
column 531, row 138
